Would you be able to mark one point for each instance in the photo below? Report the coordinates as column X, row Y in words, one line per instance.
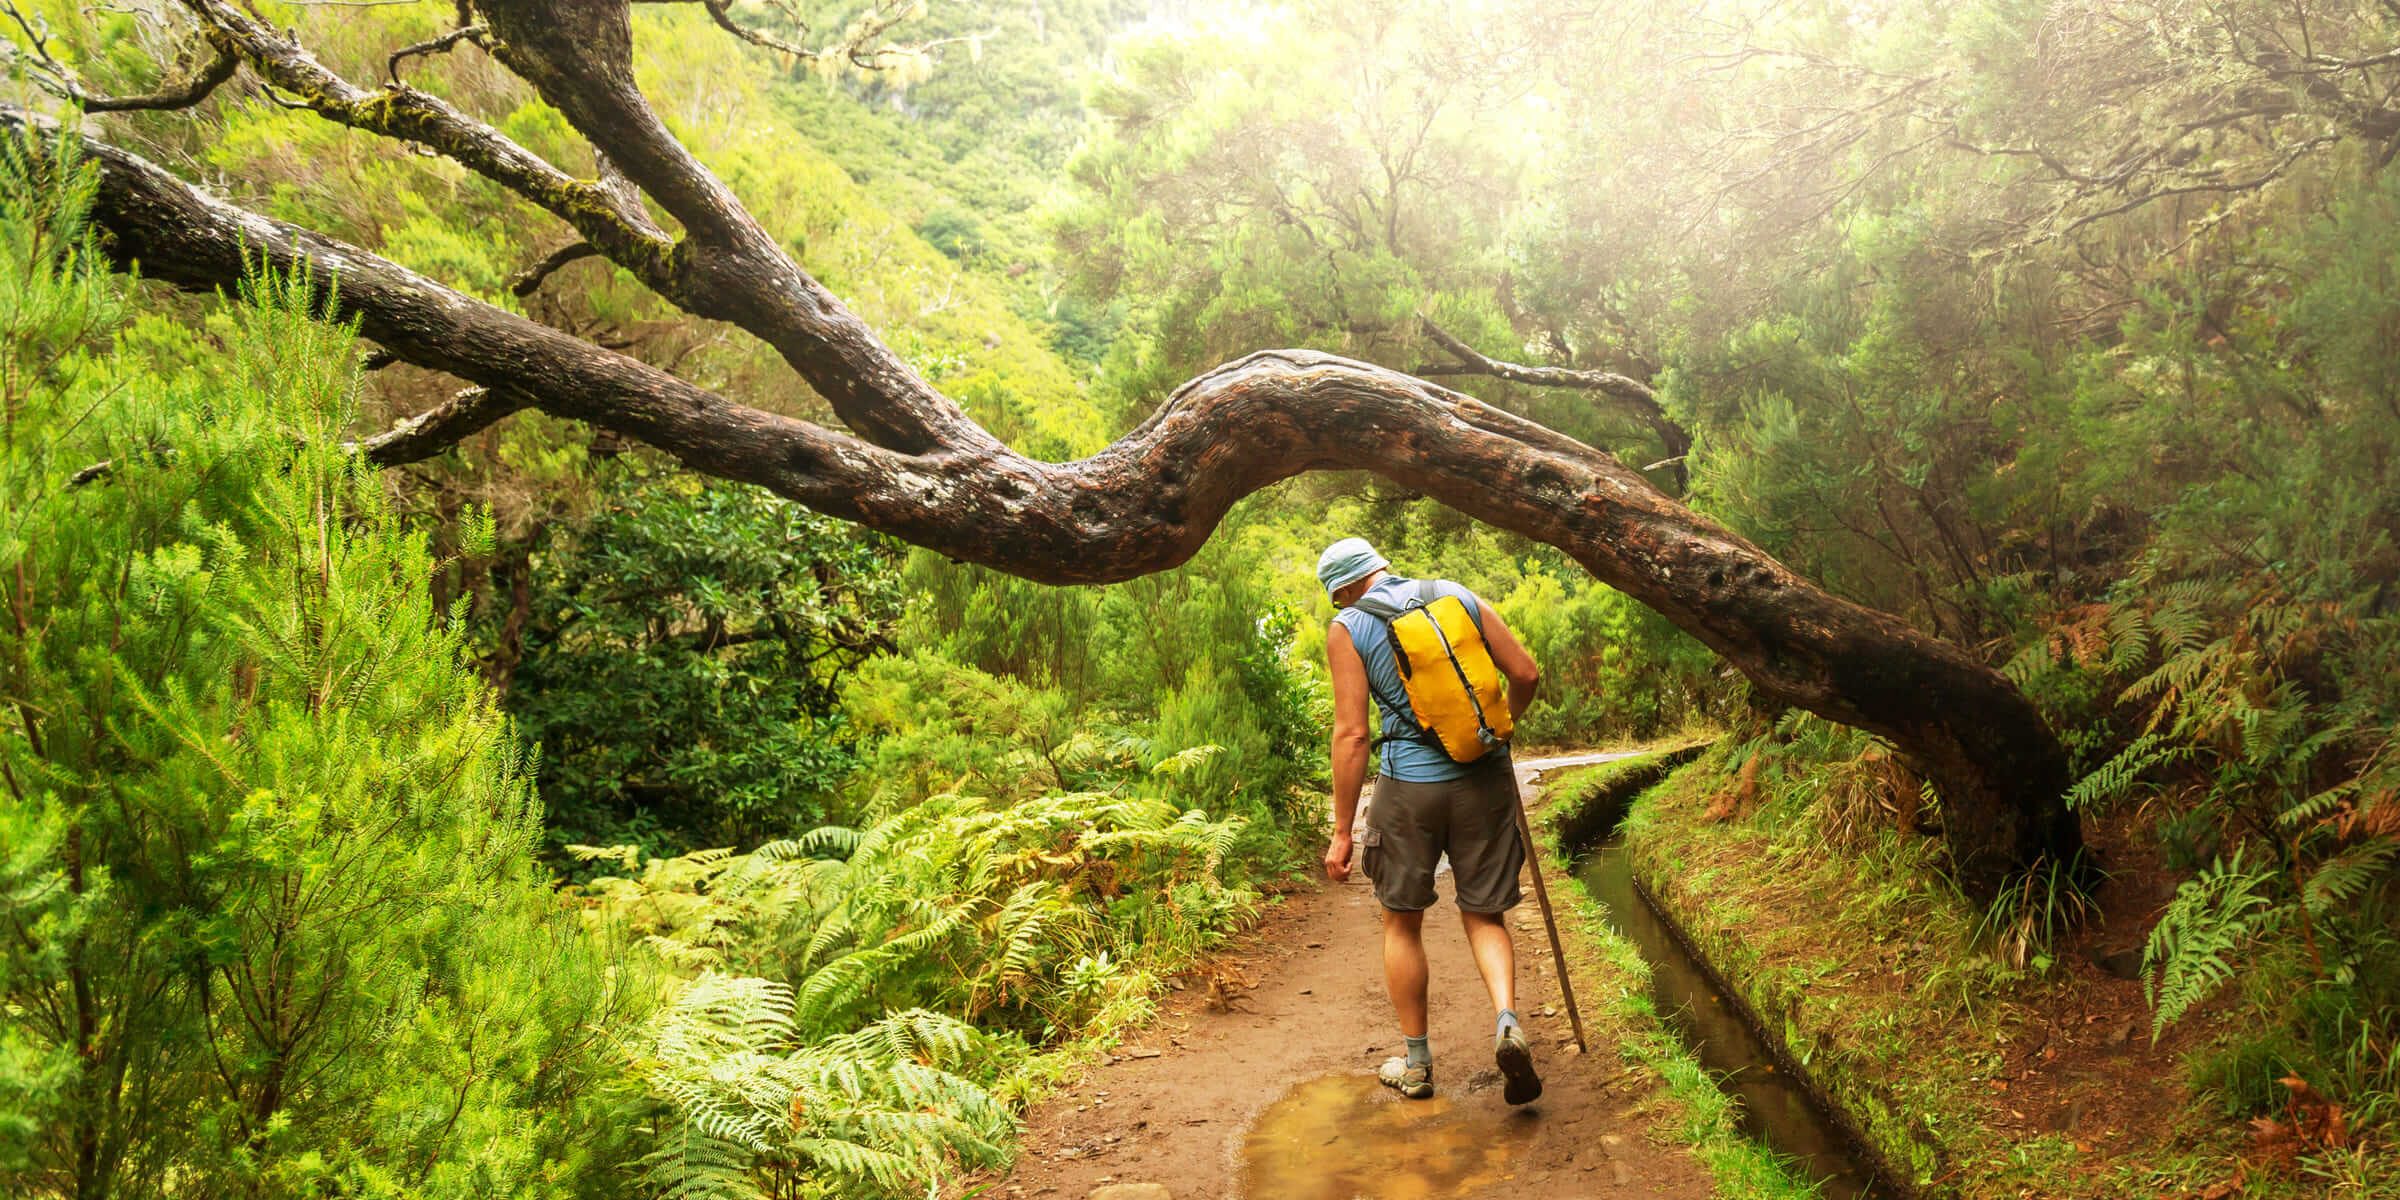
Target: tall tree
column 1328, row 176
column 914, row 465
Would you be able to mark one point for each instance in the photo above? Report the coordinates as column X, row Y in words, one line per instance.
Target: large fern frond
column 2116, row 777
column 2192, row 950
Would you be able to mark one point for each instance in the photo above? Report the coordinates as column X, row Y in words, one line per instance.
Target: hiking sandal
column 1416, row 1083
column 1515, row 1060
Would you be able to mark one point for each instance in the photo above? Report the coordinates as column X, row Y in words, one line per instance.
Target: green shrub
column 891, row 984
column 683, row 656
column 272, row 918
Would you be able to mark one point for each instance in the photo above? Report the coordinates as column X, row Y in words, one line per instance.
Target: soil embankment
column 1967, row 1075
column 1290, row 1027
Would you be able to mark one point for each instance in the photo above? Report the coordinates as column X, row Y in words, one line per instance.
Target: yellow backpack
column 1456, row 693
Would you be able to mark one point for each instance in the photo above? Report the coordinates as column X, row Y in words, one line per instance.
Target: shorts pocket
column 1370, row 851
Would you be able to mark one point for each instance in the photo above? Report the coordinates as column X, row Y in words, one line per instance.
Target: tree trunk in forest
column 922, row 471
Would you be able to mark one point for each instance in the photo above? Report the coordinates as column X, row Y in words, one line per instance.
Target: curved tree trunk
column 1146, row 503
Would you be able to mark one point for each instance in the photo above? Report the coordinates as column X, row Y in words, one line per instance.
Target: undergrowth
column 863, row 1010
column 1797, row 856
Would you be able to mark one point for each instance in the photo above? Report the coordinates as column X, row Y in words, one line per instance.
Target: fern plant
column 2253, row 688
column 2194, row 948
column 820, row 1037
column 2120, row 775
column 745, row 1111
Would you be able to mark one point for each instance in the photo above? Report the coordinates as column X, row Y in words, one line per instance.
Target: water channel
column 1775, row 1108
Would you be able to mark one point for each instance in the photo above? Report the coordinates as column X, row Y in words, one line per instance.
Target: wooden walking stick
column 1541, row 894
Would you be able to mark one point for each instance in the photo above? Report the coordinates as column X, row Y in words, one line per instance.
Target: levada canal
column 1777, row 1108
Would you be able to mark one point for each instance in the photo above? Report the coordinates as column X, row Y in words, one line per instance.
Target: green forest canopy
column 2061, row 331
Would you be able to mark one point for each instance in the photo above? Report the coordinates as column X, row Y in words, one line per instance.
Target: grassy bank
column 1979, row 1062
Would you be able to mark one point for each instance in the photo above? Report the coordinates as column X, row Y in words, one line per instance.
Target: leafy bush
column 1085, row 688
column 859, row 1001
column 684, row 654
column 1611, row 668
column 742, row 1113
column 273, row 924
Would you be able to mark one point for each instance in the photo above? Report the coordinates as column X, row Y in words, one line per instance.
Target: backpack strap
column 1428, row 591
column 1385, row 614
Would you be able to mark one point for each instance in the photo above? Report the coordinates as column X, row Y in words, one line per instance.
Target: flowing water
column 1775, row 1109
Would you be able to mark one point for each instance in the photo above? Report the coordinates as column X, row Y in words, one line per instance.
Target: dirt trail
column 1182, row 1104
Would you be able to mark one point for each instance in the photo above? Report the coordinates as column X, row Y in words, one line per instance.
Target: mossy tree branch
column 921, row 470
column 579, row 57
column 596, row 212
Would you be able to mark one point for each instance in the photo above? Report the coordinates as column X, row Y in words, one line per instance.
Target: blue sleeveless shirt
column 1402, row 758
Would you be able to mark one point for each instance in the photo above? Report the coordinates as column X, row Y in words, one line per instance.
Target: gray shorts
column 1472, row 818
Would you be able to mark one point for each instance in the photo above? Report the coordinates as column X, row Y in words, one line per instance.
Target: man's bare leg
column 1404, row 968
column 1495, row 956
column 1404, row 977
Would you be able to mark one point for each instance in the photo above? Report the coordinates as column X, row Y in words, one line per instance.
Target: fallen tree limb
column 921, row 470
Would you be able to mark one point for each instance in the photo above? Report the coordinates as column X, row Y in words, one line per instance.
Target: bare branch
column 429, row 434
column 1633, row 392
column 2321, row 63
column 2223, row 187
column 531, row 278
column 721, row 12
column 437, row 429
column 98, row 470
column 184, row 93
column 2138, row 102
column 406, row 114
column 438, row 45
column 861, row 44
column 203, row 67
column 1474, row 362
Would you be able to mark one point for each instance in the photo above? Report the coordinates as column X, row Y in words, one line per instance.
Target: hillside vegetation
column 544, row 818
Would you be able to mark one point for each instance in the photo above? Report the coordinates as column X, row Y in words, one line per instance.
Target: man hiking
column 1427, row 801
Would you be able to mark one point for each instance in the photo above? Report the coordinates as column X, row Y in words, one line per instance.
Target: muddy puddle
column 1344, row 1136
column 1775, row 1108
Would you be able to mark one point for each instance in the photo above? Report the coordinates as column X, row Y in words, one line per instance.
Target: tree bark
column 926, row 473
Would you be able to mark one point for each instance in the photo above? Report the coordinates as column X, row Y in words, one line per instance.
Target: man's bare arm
column 1509, row 655
column 1350, row 743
